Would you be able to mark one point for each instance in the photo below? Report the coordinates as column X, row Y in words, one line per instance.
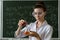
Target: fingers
column 33, row 34
column 30, row 33
column 22, row 22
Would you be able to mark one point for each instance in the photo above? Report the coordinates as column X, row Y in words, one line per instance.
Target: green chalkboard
column 13, row 11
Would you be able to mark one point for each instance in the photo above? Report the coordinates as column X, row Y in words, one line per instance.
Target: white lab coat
column 44, row 31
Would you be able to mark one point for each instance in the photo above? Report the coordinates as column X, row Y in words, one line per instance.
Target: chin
column 38, row 19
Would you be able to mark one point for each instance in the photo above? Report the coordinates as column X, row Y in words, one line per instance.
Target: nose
column 37, row 15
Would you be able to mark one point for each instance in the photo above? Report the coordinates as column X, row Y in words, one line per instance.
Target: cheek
column 39, row 16
column 42, row 15
column 36, row 17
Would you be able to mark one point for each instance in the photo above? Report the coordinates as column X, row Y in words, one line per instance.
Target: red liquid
column 24, row 24
column 26, row 33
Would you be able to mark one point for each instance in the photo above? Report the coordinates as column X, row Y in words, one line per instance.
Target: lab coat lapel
column 43, row 25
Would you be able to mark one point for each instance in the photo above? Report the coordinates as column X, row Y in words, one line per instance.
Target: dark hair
column 40, row 4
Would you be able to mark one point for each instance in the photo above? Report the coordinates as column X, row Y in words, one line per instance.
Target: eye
column 35, row 13
column 39, row 13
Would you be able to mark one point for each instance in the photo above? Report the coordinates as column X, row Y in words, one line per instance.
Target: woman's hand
column 22, row 23
column 34, row 34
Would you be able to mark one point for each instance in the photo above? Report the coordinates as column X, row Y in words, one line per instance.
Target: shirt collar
column 43, row 24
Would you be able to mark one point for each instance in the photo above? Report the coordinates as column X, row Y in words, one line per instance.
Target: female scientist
column 40, row 29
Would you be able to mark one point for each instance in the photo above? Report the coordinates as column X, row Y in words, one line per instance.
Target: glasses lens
column 36, row 13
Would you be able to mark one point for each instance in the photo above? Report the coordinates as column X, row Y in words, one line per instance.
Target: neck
column 40, row 21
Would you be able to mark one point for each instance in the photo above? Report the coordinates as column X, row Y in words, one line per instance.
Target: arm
column 48, row 34
column 38, row 37
column 19, row 32
column 33, row 34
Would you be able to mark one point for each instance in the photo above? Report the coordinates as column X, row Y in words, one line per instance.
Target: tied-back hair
column 40, row 4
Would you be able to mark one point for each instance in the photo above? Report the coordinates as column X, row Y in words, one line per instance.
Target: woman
column 40, row 29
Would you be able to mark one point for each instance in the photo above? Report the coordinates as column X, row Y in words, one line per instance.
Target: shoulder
column 48, row 27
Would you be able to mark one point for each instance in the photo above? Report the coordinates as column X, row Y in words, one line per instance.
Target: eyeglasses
column 39, row 13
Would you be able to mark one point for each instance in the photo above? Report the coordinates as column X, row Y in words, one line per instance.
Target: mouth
column 38, row 17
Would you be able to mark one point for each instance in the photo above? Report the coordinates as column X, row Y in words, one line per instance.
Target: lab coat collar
column 43, row 24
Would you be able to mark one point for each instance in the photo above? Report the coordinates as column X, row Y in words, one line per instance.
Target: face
column 39, row 14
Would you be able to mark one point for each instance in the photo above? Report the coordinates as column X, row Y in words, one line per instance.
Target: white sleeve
column 21, row 34
column 48, row 34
